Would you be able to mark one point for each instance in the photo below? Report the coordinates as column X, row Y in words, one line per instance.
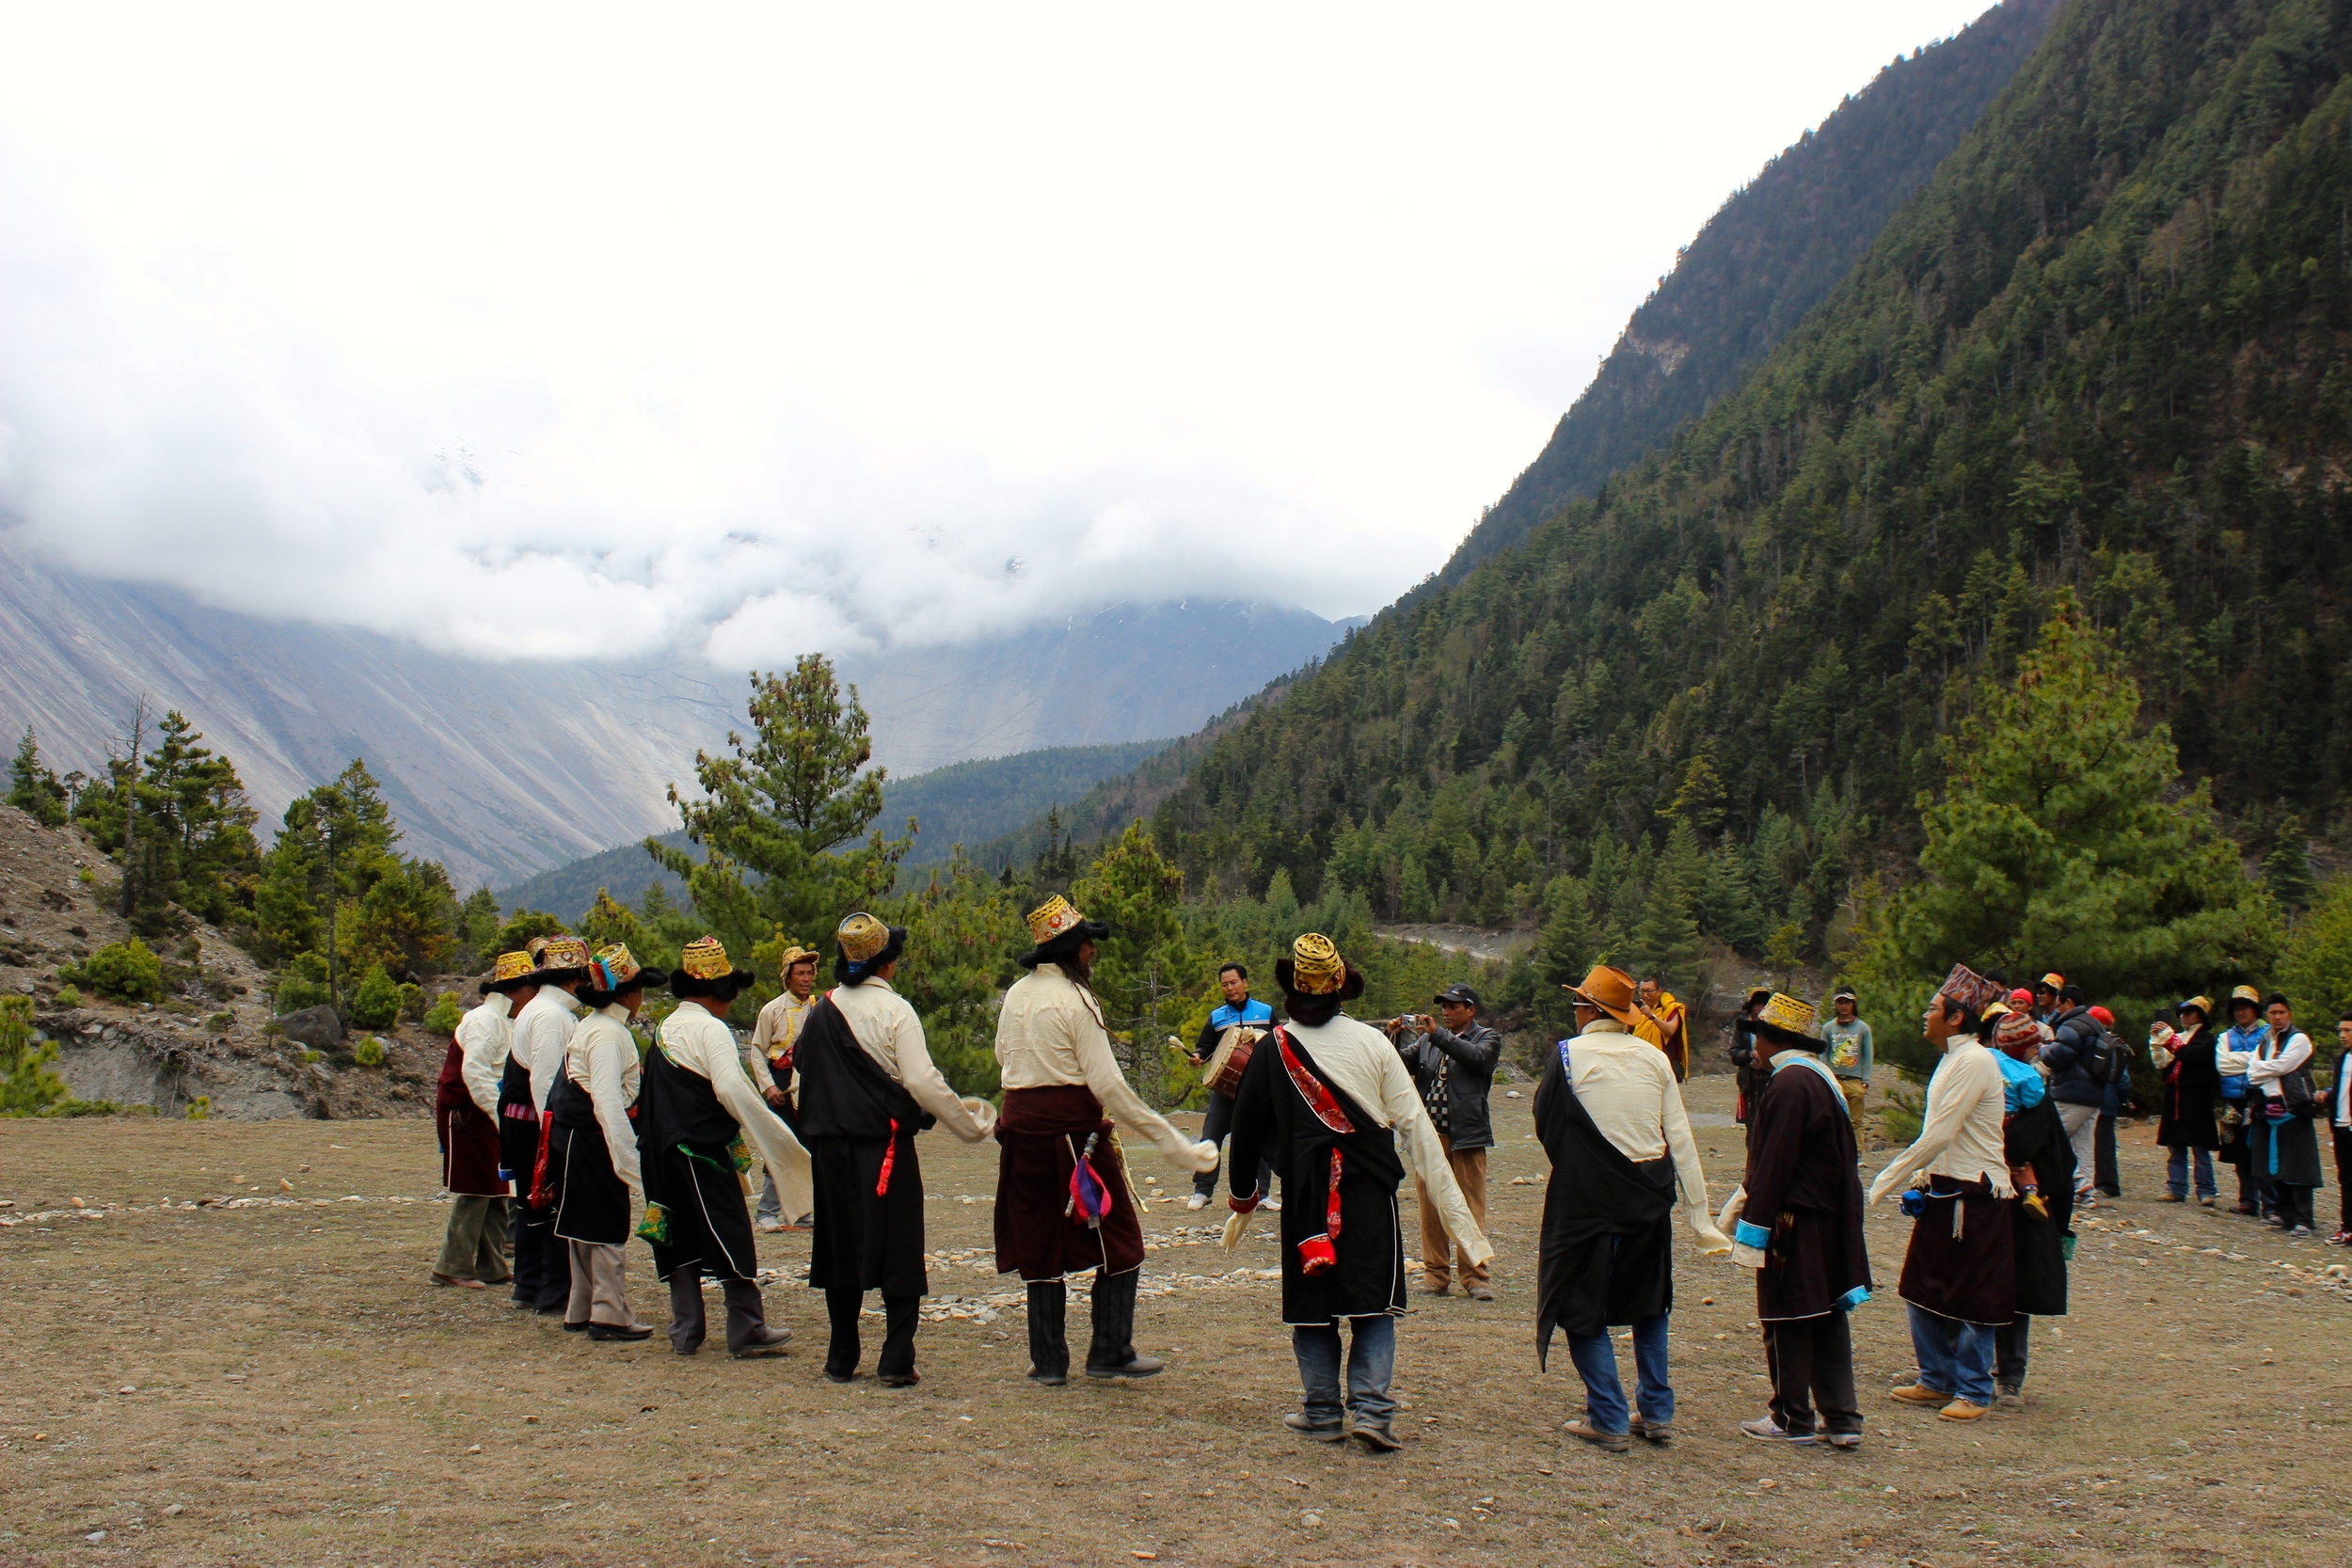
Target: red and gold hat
column 705, row 959
column 615, row 968
column 512, row 970
column 703, row 969
column 1052, row 918
column 564, row 954
column 867, row 943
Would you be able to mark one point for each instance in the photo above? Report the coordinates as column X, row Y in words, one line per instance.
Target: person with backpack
column 2281, row 1101
column 2077, row 1083
column 2116, row 1065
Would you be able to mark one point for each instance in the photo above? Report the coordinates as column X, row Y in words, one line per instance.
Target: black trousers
column 2294, row 1204
column 2344, row 1174
column 1214, row 1126
column 1811, row 1364
column 543, row 1263
column 2108, row 1180
column 2012, row 1346
column 899, row 1316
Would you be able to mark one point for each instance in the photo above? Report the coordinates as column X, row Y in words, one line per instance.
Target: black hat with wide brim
column 727, row 986
column 1351, row 987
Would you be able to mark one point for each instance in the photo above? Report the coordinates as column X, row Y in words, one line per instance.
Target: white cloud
column 592, row 332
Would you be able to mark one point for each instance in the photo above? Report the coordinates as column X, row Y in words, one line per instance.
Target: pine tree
column 1144, row 972
column 2287, row 870
column 32, row 787
column 1665, row 942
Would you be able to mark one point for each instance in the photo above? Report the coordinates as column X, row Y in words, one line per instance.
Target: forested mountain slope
column 1774, row 251
column 2102, row 350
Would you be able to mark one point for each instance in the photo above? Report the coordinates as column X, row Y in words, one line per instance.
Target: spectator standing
column 1239, row 1011
column 1851, row 1055
column 2282, row 1103
column 2108, row 1181
column 2234, row 1049
column 768, row 1057
column 2047, row 1001
column 2073, row 1058
column 1665, row 1023
column 2340, row 1124
column 2192, row 1088
column 1453, row 1064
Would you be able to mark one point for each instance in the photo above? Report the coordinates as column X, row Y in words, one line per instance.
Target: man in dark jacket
column 2073, row 1058
column 1453, row 1064
column 2192, row 1085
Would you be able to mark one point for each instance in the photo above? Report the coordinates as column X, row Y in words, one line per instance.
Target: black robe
column 520, row 1128
column 859, row 1125
column 1273, row 1124
column 1607, row 1254
column 1802, row 1186
column 2036, row 1137
column 591, row 1199
column 684, row 1141
column 2191, row 1086
column 2286, row 1150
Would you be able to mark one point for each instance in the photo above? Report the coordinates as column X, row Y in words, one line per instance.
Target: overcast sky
column 598, row 330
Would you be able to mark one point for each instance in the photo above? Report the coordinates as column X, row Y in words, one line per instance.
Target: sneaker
column 1918, row 1393
column 1609, row 1442
column 2009, row 1398
column 770, row 1225
column 1766, row 1429
column 1299, row 1422
column 1847, row 1441
column 1197, row 1201
column 1961, row 1410
column 2302, row 1230
column 1272, row 1206
column 2342, row 1238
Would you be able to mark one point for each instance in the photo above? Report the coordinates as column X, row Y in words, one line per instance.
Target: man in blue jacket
column 1239, row 1007
column 2073, row 1058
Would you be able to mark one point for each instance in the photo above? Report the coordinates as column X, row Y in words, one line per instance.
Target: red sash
column 1315, row 1252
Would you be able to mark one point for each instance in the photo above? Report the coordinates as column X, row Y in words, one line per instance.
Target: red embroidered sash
column 1316, row 1250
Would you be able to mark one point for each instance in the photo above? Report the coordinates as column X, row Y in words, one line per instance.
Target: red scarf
column 1316, row 1252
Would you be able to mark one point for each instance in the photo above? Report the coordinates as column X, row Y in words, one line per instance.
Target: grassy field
column 277, row 1383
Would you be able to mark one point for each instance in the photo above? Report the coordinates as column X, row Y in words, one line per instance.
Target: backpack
column 2110, row 1059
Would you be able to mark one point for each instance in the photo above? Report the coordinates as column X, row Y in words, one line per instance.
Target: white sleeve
column 755, row 1049
column 1120, row 1101
column 968, row 1119
column 605, row 1091
column 778, row 1149
column 1690, row 1177
column 484, row 1066
column 546, row 1045
column 1425, row 1156
column 1946, row 1113
column 2297, row 1052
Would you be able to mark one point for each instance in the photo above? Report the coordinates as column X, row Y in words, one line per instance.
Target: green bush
column 221, row 1020
column 69, row 997
column 376, row 1004
column 126, row 971
column 443, row 1016
column 369, row 1052
column 411, row 1001
column 27, row 1087
column 302, row 984
column 200, row 1108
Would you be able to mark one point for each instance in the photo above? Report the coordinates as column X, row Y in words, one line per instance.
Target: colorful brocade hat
column 795, row 954
column 1057, row 924
column 564, row 956
column 2246, row 993
column 1315, row 968
column 512, row 970
column 866, row 944
column 703, row 969
column 615, row 969
column 1790, row 1022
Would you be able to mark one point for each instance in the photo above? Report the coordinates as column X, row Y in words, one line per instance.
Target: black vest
column 844, row 1092
column 675, row 1105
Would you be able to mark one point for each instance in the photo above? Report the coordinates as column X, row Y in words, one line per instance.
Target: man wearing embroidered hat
column 542, row 1032
column 768, row 1057
column 867, row 1086
column 1063, row 1201
column 466, row 1105
column 592, row 1165
column 1327, row 1101
column 2233, row 1055
column 694, row 1113
column 1799, row 1214
column 1611, row 1122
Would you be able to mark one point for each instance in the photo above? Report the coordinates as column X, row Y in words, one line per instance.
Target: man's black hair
column 2277, row 999
column 2072, row 992
column 1222, row 970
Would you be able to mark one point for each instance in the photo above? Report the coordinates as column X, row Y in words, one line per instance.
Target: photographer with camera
column 1453, row 1064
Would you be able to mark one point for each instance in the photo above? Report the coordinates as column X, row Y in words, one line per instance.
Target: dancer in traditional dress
column 473, row 1249
column 591, row 1145
column 867, row 1086
column 1800, row 1227
column 768, row 1057
column 1326, row 1100
column 2041, row 1158
column 1959, row 1274
column 542, row 1031
column 695, row 1112
column 1612, row 1121
column 1063, row 1201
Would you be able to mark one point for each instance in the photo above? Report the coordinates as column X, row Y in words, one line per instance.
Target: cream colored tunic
column 602, row 1059
column 542, row 1031
column 1627, row 1085
column 1961, row 1134
column 1364, row 1065
column 885, row 1025
column 1050, row 1033
column 702, row 1044
column 778, row 1027
column 484, row 1035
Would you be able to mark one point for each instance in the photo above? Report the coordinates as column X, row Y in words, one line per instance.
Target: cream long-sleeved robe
column 700, row 1043
column 484, row 1035
column 1050, row 1033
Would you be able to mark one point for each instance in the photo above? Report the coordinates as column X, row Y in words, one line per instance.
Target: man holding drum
column 1239, row 1011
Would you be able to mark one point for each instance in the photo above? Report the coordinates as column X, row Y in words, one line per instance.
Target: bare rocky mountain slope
column 212, row 1036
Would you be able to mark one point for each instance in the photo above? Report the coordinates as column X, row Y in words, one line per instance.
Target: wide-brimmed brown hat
column 1609, row 989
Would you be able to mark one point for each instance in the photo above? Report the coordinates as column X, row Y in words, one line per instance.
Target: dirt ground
column 276, row 1382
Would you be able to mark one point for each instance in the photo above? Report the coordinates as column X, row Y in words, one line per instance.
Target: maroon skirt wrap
column 469, row 1140
column 1963, row 1262
column 1039, row 1135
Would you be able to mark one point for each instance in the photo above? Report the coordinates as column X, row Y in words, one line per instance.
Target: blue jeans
column 1955, row 1358
column 2176, row 1172
column 1371, row 1367
column 1595, row 1358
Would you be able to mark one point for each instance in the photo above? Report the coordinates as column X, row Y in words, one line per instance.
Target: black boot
column 841, row 1308
column 748, row 1333
column 894, row 1367
column 686, row 1326
column 1049, row 1331
column 1113, row 1352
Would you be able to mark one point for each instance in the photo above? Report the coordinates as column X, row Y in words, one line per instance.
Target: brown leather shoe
column 1960, row 1410
column 1918, row 1393
column 1609, row 1442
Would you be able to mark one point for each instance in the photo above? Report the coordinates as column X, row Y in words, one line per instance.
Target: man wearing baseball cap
column 1453, row 1064
column 1851, row 1053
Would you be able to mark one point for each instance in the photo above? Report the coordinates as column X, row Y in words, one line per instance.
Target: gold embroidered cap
column 1787, row 1012
column 861, row 937
column 705, row 959
column 1052, row 918
column 615, row 967
column 795, row 954
column 511, row 966
column 1316, row 967
column 564, row 953
column 2246, row 993
column 2203, row 1005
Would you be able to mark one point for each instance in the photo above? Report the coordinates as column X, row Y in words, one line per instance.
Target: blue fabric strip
column 1751, row 1235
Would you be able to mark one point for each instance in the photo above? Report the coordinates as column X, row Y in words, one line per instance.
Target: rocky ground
column 210, row 1040
column 224, row 1348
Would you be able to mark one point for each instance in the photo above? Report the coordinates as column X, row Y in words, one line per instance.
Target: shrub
column 376, row 1004
column 221, row 1020
column 86, row 877
column 302, row 984
column 411, row 1001
column 309, row 1055
column 200, row 1108
column 369, row 1052
column 27, row 1087
column 126, row 971
column 443, row 1016
column 69, row 997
